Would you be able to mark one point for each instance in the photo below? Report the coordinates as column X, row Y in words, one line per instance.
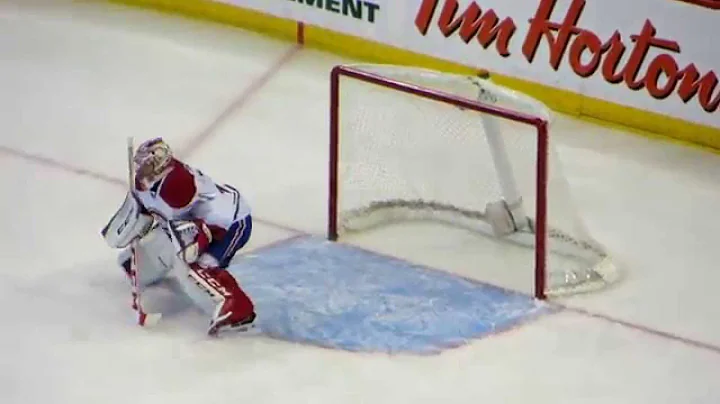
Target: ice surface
column 76, row 78
column 311, row 290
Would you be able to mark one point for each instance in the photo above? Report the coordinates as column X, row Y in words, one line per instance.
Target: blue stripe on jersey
column 228, row 189
column 235, row 238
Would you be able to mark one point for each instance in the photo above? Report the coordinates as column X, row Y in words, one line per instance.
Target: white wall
column 683, row 36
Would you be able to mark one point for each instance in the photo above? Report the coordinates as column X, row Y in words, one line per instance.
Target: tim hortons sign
column 619, row 59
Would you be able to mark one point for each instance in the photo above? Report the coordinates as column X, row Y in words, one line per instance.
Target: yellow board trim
column 222, row 13
column 373, row 52
column 603, row 112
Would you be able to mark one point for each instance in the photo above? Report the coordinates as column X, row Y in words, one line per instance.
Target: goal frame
column 540, row 126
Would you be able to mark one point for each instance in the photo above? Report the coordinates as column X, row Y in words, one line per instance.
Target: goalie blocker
column 187, row 229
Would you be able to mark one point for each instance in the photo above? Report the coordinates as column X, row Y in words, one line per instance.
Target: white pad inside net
column 402, row 157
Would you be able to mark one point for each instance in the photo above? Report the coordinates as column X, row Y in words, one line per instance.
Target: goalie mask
column 127, row 224
column 151, row 161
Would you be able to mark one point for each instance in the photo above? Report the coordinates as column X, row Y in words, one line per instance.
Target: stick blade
column 149, row 319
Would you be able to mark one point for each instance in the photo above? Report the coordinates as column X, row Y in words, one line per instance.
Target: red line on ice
column 238, row 103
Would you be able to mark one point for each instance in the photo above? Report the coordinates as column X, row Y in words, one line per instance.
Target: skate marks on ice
column 313, row 291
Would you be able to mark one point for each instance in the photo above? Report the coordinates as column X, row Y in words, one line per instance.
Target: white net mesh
column 403, row 157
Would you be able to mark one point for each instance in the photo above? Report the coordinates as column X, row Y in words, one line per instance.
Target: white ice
column 77, row 78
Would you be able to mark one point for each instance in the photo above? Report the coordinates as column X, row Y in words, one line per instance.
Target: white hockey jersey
column 185, row 193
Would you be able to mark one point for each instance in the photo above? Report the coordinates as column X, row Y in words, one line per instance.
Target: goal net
column 410, row 144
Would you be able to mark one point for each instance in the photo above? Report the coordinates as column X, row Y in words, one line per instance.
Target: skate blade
column 243, row 329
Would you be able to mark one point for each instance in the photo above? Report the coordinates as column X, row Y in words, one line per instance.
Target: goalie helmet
column 151, row 160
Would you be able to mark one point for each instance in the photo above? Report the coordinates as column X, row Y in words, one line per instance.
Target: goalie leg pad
column 233, row 308
column 236, row 312
column 154, row 257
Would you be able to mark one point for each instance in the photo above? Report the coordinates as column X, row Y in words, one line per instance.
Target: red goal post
column 500, row 214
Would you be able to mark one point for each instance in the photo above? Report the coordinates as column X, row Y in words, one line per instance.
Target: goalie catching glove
column 190, row 239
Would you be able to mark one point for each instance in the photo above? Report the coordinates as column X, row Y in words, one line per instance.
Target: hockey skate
column 224, row 321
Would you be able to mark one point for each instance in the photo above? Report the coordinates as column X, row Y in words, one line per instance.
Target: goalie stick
column 144, row 318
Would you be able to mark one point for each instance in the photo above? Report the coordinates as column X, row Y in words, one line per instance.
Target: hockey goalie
column 176, row 222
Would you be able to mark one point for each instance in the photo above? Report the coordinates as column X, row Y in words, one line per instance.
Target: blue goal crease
column 314, row 291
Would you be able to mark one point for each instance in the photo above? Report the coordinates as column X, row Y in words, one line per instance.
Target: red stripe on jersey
column 178, row 188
